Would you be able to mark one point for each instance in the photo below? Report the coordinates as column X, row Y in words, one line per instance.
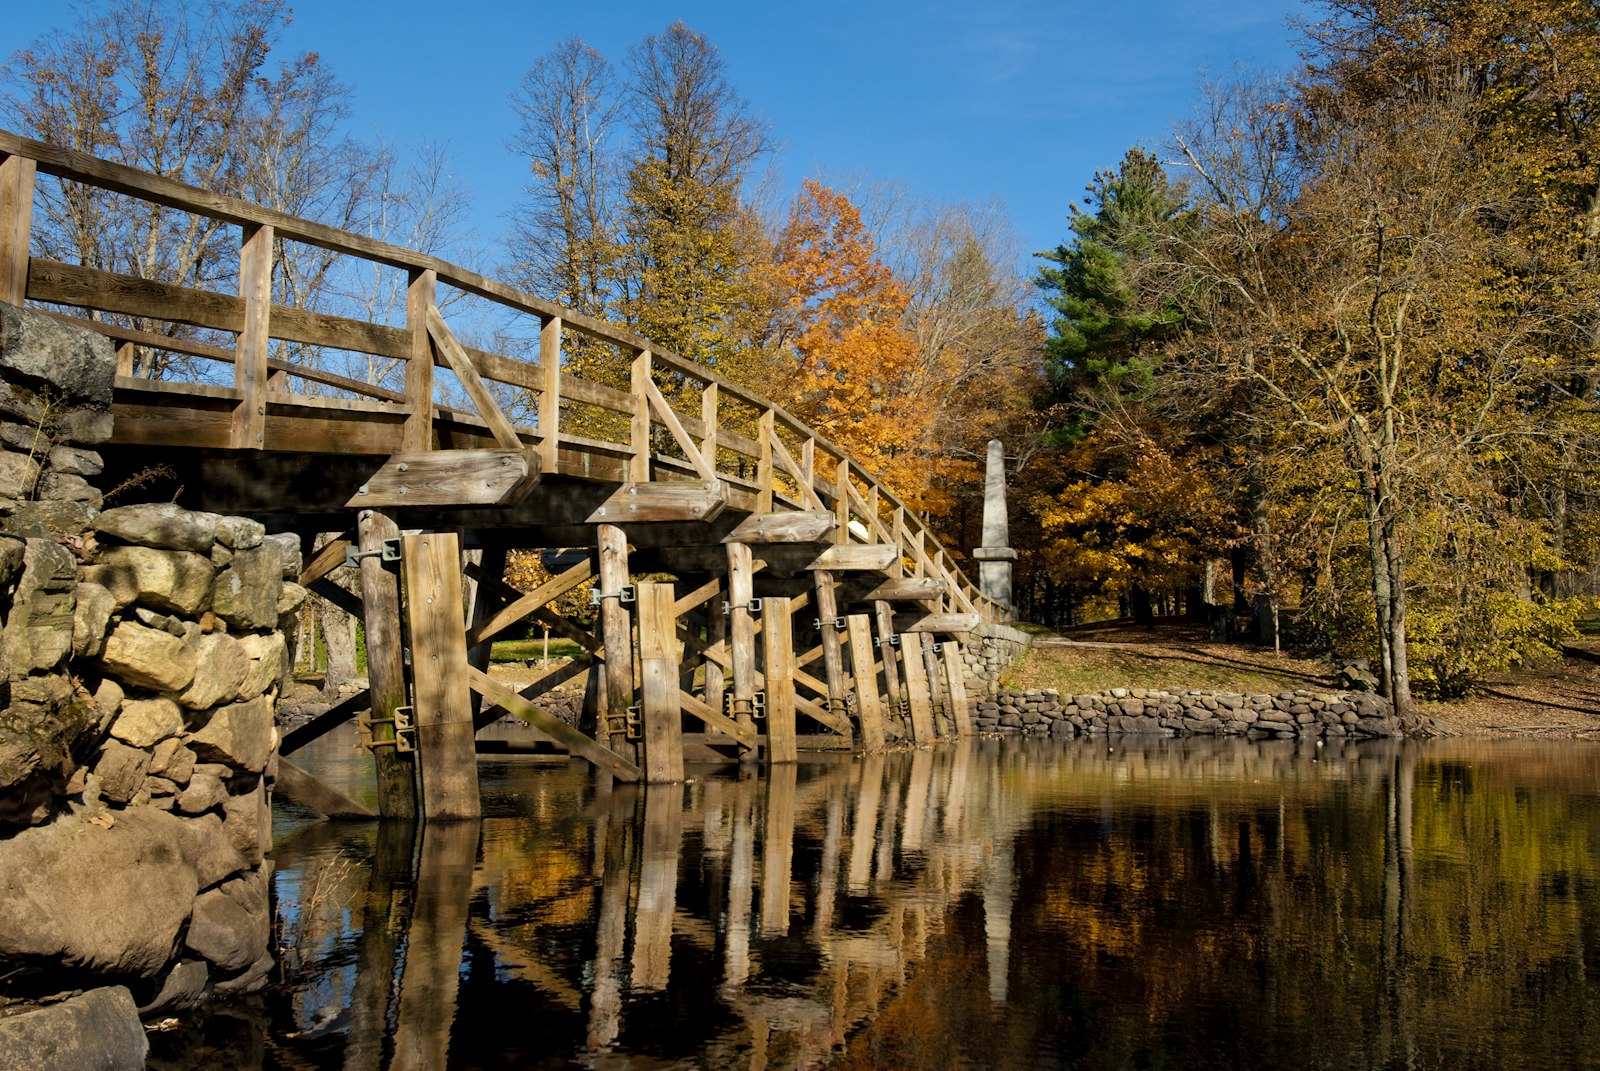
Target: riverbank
column 1553, row 701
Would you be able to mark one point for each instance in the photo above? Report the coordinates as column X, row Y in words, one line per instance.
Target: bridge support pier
column 386, row 670
column 616, row 635
column 443, row 700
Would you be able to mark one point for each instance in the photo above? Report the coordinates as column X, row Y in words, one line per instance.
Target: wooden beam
column 832, row 652
column 616, row 633
column 431, row 563
column 905, row 589
column 540, row 596
column 639, row 425
column 16, row 226
column 716, row 720
column 883, row 615
column 808, row 493
column 326, row 722
column 250, row 365
column 602, row 757
column 797, row 526
column 488, row 409
column 765, row 424
column 448, row 478
column 956, row 687
column 699, row 597
column 863, row 557
column 344, row 600
column 947, row 623
column 662, row 500
column 917, row 693
column 306, row 790
column 330, row 557
column 708, row 418
column 668, row 417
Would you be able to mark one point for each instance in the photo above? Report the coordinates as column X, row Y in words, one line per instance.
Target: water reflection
column 992, row 904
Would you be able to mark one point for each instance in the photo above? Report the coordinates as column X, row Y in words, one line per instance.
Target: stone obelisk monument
column 995, row 556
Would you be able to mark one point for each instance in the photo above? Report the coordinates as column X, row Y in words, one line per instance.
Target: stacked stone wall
column 1288, row 715
column 990, row 650
column 140, row 658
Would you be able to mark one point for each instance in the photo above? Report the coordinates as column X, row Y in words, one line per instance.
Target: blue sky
column 959, row 100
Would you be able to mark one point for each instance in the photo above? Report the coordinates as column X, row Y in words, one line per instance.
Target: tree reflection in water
column 1086, row 904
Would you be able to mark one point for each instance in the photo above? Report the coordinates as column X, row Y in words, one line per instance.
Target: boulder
column 90, row 619
column 75, row 461
column 240, row 735
column 19, row 475
column 144, row 723
column 205, row 846
column 230, row 924
column 184, row 987
column 57, row 908
column 205, row 791
column 39, row 628
column 240, row 533
column 148, row 657
column 269, row 663
column 247, row 823
column 98, row 1030
column 77, row 365
column 122, row 770
column 161, row 525
column 172, row 760
column 247, row 591
column 176, row 581
column 221, row 666
column 287, row 545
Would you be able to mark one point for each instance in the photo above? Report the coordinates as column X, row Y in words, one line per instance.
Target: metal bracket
column 633, row 723
column 936, row 647
column 388, row 550
column 838, row 624
column 892, row 641
column 754, row 606
column 626, row 594
column 405, row 730
column 757, row 703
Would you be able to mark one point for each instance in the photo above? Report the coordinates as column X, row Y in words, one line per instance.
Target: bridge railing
column 616, row 407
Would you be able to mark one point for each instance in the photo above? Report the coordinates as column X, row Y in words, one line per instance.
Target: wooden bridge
column 750, row 580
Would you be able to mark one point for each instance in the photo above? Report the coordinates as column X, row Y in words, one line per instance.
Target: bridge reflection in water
column 994, row 903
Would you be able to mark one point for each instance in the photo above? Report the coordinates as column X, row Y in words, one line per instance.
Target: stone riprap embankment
column 140, row 657
column 990, row 650
column 1297, row 714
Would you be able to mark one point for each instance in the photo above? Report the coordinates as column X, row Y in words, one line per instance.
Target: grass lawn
column 532, row 650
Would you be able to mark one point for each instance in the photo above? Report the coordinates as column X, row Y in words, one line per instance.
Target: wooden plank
column 869, row 708
column 906, row 589
column 386, row 670
column 658, row 501
column 596, row 394
column 326, row 722
column 795, row 526
column 545, row 593
column 698, row 597
column 344, row 600
column 779, row 664
column 956, row 687
column 917, row 692
column 462, row 366
column 660, row 716
column 602, row 757
column 447, row 478
column 863, row 557
column 420, row 297
column 946, row 623
column 669, row 418
column 16, row 226
column 616, row 634
column 431, row 564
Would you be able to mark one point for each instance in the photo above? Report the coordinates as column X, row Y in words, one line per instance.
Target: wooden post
column 864, row 832
column 616, row 635
column 614, row 866
column 766, row 426
column 708, row 417
column 778, row 644
column 250, row 358
column 916, row 671
column 742, row 635
column 716, row 632
column 777, row 850
column 884, row 612
column 868, row 708
column 832, row 656
column 938, row 695
column 741, row 884
column 432, row 566
column 16, row 226
column 661, row 715
column 431, row 980
column 960, row 716
column 491, row 563
column 386, row 669
column 420, row 294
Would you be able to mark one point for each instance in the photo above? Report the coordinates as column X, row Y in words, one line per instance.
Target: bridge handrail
column 253, row 311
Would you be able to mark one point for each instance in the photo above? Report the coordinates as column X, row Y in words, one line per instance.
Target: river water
column 1087, row 904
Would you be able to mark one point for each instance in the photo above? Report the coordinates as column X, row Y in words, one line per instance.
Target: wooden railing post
column 550, row 395
column 420, row 296
column 708, row 416
column 767, row 426
column 639, row 435
column 250, row 358
column 16, row 226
